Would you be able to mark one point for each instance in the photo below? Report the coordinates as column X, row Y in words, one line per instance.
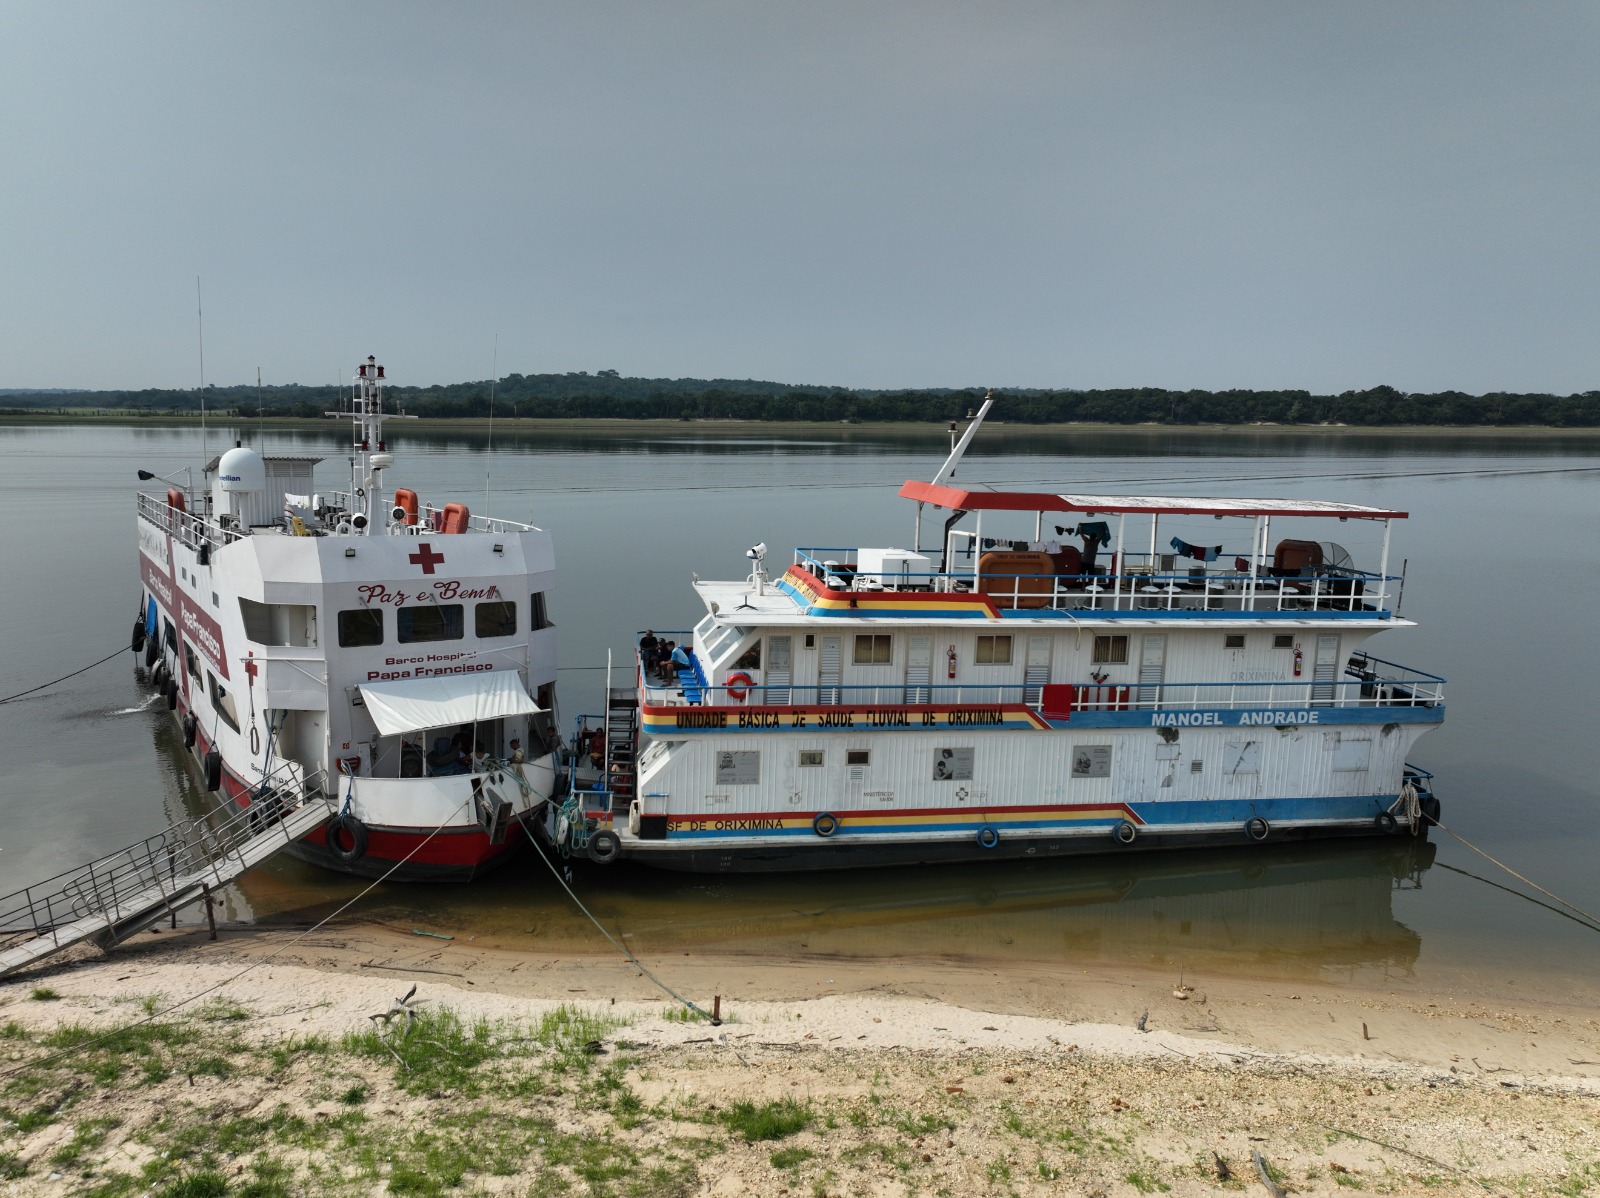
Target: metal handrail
column 1399, row 686
column 1133, row 589
column 189, row 849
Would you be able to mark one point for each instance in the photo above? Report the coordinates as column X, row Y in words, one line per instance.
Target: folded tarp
column 412, row 704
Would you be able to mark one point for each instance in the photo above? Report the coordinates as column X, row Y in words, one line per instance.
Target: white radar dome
column 242, row 470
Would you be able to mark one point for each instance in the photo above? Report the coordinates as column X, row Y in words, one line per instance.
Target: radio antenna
column 200, row 317
column 494, row 378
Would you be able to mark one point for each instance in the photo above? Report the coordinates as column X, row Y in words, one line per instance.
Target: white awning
column 412, row 704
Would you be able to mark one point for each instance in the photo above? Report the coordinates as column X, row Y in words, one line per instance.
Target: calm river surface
column 1503, row 574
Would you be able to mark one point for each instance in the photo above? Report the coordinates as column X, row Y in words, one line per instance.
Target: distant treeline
column 608, row 396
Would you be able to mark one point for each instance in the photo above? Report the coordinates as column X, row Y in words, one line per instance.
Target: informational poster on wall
column 739, row 768
column 1091, row 761
column 952, row 765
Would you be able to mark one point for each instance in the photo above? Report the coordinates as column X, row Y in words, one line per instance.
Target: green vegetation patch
column 767, row 1121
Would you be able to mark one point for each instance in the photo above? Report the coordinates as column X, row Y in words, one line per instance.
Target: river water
column 1502, row 573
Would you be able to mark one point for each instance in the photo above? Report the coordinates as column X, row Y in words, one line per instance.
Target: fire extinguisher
column 1299, row 659
column 950, row 662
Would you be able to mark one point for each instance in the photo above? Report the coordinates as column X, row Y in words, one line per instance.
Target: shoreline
column 525, row 426
column 911, row 1076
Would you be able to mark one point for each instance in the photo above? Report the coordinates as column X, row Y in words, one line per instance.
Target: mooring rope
column 620, row 947
column 1519, row 877
column 63, row 678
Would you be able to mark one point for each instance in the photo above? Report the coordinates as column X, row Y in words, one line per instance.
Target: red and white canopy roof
column 957, row 499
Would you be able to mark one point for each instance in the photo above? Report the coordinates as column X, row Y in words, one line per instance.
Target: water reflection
column 1294, row 911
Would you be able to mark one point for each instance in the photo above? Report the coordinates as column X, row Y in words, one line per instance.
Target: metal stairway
column 113, row 897
column 622, row 747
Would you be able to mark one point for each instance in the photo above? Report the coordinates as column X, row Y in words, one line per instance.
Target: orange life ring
column 739, row 685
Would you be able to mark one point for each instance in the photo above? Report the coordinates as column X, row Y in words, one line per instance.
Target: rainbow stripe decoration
column 818, row 600
column 672, row 723
column 966, row 820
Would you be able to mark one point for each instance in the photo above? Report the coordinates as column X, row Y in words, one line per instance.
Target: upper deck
column 1097, row 569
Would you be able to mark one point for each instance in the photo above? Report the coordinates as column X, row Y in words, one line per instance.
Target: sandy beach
column 852, row 1078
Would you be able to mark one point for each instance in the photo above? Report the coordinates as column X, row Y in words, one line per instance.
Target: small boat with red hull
column 388, row 653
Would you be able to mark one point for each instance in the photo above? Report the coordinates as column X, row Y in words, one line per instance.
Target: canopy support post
column 1383, row 569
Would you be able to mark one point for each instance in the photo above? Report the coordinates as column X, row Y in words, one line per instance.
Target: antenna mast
column 200, row 316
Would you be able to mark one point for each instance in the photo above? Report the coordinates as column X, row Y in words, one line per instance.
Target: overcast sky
column 1062, row 194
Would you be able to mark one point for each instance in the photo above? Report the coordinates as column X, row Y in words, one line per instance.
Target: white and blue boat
column 1040, row 674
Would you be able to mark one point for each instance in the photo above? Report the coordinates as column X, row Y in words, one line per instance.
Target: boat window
column 541, row 615
column 191, row 661
column 169, row 633
column 1110, row 650
column 431, row 622
column 1233, row 640
column 810, row 757
column 360, row 626
column 858, row 757
column 872, row 650
column 222, row 702
column 279, row 623
column 994, row 651
column 496, row 618
column 1283, row 641
column 952, row 765
column 750, row 659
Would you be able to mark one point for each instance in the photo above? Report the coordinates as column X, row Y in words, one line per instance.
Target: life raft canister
column 405, row 499
column 739, row 685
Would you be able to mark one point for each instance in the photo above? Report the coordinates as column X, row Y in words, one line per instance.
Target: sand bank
column 899, row 1077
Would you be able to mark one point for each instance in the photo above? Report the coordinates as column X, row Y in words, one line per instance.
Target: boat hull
column 874, row 853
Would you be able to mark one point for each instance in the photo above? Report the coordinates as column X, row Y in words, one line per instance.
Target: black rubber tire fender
column 191, row 728
column 170, row 689
column 1125, row 832
column 826, row 824
column 1257, row 828
column 213, row 769
column 987, row 837
column 1386, row 822
column 605, row 846
column 340, row 826
column 152, row 650
column 137, row 642
column 1430, row 811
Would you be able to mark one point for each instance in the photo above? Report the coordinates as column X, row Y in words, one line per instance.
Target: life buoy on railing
column 1257, row 828
column 739, row 685
column 826, row 824
column 987, row 837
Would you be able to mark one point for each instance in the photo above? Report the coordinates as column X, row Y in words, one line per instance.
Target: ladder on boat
column 622, row 747
column 122, row 893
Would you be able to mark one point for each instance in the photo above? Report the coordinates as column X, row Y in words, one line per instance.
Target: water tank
column 242, row 470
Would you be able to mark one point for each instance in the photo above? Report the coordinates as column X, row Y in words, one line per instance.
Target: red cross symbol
column 427, row 557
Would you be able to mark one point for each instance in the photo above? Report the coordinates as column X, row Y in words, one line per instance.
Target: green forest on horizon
column 606, row 395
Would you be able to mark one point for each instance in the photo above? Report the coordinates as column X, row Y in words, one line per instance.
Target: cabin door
column 1325, row 671
column 780, row 670
column 919, row 669
column 1152, row 668
column 1036, row 674
column 830, row 672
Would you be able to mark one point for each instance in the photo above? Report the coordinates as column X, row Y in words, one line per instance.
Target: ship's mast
column 369, row 513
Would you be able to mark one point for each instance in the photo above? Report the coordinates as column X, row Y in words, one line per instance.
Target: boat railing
column 215, row 849
column 1368, row 682
column 1134, row 587
column 185, row 527
column 431, row 518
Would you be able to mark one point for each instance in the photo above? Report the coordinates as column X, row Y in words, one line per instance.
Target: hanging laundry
column 1200, row 553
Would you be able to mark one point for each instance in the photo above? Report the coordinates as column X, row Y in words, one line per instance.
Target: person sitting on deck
column 663, row 670
column 649, row 652
column 445, row 760
column 681, row 660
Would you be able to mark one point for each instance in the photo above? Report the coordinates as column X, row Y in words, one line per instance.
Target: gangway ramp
column 117, row 895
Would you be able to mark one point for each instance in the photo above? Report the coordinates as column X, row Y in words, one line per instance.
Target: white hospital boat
column 1069, row 673
column 357, row 643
